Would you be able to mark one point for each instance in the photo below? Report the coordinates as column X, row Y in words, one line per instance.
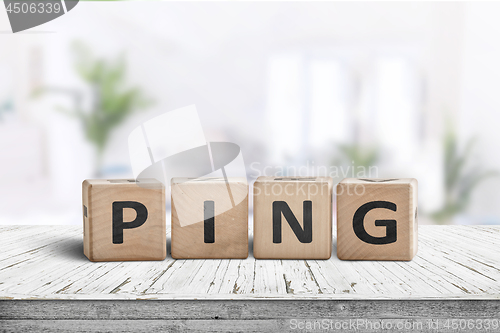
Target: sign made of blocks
column 209, row 218
column 124, row 220
column 292, row 218
column 377, row 219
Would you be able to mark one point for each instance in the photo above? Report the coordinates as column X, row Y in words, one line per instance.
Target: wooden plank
column 452, row 262
column 245, row 309
column 358, row 282
column 42, row 246
column 41, row 264
column 142, row 326
column 17, row 240
column 418, row 324
column 220, row 275
column 386, row 278
column 298, row 278
column 457, row 275
column 140, row 280
column 240, row 279
column 327, row 284
column 183, row 272
column 467, row 262
column 269, row 278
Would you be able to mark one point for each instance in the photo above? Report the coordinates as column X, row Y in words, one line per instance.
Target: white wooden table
column 456, row 274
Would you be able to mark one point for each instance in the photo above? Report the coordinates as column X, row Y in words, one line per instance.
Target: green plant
column 460, row 177
column 5, row 107
column 355, row 160
column 356, row 155
column 112, row 100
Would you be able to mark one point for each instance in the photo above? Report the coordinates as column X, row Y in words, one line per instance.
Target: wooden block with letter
column 293, row 218
column 377, row 219
column 124, row 220
column 209, row 218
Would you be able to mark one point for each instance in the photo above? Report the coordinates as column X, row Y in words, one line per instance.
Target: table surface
column 47, row 262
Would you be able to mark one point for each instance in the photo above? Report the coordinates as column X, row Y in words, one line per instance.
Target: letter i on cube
column 209, row 218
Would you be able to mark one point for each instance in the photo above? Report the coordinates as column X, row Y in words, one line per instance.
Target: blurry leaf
column 357, row 155
column 37, row 92
column 66, row 111
column 461, row 179
column 112, row 100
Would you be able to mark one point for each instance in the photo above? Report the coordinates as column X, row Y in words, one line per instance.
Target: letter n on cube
column 293, row 218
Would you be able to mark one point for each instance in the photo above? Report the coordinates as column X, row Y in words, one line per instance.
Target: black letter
column 390, row 225
column 303, row 235
column 119, row 224
column 209, row 227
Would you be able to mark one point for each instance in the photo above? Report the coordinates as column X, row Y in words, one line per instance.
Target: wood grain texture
column 415, row 324
column 399, row 196
column 229, row 226
column 47, row 284
column 261, row 309
column 296, row 193
column 47, row 263
column 145, row 242
column 239, row 315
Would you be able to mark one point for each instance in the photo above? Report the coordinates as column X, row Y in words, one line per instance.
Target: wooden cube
column 209, row 218
column 377, row 219
column 124, row 220
column 292, row 218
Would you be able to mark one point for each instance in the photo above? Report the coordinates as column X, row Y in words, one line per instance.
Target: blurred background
column 341, row 89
